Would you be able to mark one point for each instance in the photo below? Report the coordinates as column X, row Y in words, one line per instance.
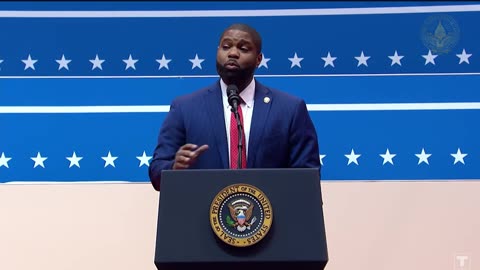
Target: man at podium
column 236, row 122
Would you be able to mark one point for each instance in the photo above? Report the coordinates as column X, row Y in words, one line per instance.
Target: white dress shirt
column 247, row 109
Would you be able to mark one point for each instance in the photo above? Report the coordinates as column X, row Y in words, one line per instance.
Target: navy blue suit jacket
column 282, row 134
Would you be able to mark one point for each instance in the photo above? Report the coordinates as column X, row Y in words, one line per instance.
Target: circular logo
column 440, row 33
column 241, row 215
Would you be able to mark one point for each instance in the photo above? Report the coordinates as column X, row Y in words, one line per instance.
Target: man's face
column 237, row 56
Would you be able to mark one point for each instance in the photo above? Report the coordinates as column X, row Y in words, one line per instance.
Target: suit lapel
column 261, row 108
column 214, row 106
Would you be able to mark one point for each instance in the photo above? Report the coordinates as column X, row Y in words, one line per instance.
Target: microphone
column 234, row 100
column 233, row 96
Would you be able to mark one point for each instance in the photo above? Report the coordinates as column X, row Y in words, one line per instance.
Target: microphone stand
column 240, row 134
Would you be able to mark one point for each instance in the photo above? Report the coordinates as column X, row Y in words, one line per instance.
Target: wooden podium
column 186, row 238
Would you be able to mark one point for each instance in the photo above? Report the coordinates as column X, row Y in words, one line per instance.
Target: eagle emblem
column 241, row 212
column 440, row 33
column 241, row 215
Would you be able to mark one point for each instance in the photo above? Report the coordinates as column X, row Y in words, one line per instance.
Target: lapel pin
column 266, row 100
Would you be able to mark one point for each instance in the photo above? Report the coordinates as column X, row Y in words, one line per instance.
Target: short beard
column 238, row 77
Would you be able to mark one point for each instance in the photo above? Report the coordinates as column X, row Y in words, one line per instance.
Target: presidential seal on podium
column 241, row 215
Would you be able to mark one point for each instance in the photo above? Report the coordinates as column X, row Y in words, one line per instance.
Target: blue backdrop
column 393, row 90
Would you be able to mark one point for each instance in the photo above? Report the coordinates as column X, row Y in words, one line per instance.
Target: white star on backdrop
column 387, row 157
column 362, row 59
column 97, row 62
column 29, row 63
column 74, row 160
column 423, row 157
column 39, row 160
column 4, row 160
column 430, row 58
column 130, row 62
column 329, row 60
column 196, row 62
column 264, row 62
column 352, row 157
column 144, row 159
column 295, row 61
column 464, row 57
column 109, row 160
column 321, row 159
column 163, row 62
column 459, row 157
column 63, row 63
column 396, row 59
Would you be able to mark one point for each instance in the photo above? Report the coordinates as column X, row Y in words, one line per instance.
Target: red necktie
column 234, row 142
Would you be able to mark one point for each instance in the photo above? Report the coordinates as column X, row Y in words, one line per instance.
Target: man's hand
column 187, row 155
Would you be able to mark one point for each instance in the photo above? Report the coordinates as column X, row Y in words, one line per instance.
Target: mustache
column 231, row 62
column 242, row 73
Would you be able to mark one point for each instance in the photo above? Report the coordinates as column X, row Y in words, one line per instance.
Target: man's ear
column 259, row 59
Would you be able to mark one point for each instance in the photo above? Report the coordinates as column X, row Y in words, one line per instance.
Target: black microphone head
column 232, row 94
